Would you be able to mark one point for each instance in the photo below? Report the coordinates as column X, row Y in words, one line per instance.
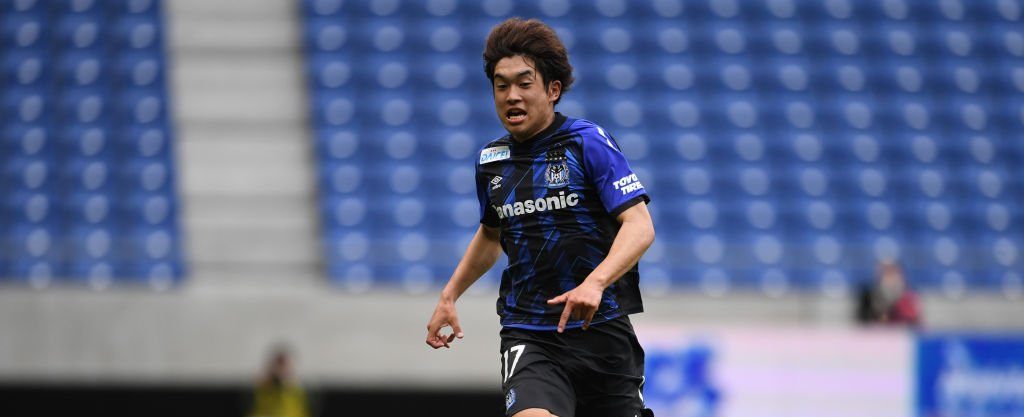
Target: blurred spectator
column 277, row 393
column 889, row 299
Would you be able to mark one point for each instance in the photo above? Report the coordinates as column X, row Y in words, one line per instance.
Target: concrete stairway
column 244, row 153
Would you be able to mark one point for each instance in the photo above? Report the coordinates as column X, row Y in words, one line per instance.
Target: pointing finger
column 566, row 312
column 560, row 299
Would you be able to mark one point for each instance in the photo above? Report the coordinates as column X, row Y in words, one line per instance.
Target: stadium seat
column 140, row 70
column 26, row 105
column 149, row 8
column 26, row 68
column 770, row 171
column 25, row 31
column 81, row 32
column 84, row 130
column 138, row 33
column 24, row 6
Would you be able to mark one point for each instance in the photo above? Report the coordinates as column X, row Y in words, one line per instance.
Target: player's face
column 524, row 104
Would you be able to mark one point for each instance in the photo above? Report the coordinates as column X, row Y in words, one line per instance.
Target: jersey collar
column 543, row 137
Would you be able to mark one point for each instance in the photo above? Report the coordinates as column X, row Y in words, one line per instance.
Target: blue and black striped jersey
column 555, row 199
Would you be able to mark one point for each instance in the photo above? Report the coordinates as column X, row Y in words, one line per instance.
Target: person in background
column 889, row 300
column 277, row 394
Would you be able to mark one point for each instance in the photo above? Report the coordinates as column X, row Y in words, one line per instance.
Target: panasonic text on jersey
column 543, row 204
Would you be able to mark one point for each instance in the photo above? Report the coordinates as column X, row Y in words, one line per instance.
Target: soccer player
column 558, row 197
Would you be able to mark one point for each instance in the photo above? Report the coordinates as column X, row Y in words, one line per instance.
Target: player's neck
column 549, row 120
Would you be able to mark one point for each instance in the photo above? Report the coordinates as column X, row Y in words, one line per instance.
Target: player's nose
column 513, row 96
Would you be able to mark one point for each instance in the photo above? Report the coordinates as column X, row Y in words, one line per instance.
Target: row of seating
column 87, row 189
column 645, row 11
column 788, row 145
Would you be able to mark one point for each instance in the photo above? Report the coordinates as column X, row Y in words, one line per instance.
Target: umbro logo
column 496, row 183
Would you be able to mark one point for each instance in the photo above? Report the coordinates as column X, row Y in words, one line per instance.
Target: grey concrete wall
column 221, row 334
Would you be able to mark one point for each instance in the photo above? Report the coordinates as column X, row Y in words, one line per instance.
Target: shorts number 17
column 507, row 371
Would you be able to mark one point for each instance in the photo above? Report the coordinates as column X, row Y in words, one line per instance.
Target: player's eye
column 525, row 85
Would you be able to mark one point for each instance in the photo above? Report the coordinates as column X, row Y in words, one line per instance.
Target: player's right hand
column 444, row 316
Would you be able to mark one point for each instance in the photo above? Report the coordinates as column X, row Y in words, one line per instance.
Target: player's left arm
column 635, row 235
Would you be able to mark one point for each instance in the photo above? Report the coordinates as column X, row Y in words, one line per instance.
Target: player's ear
column 554, row 90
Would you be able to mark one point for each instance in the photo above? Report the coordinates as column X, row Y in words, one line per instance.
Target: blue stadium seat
column 337, row 109
column 24, row 6
column 142, row 107
column 330, row 71
column 144, row 175
column 23, row 31
column 140, row 70
column 83, row 70
column 149, row 8
column 31, row 243
column 158, row 275
column 152, row 244
column 85, row 207
column 819, row 260
column 85, row 143
column 338, row 144
column 19, row 139
column 30, row 172
column 323, row 8
column 145, row 142
column 327, row 35
column 25, row 105
column 788, row 111
column 85, row 106
column 354, row 277
column 732, row 111
column 343, row 177
column 85, row 32
column 149, row 209
column 783, row 74
column 89, row 174
column 79, row 7
column 345, row 212
column 37, row 272
column 790, row 173
column 89, row 245
column 138, row 33
column 26, row 68
column 32, row 207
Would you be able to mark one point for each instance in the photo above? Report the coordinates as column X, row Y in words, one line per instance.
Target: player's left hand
column 580, row 303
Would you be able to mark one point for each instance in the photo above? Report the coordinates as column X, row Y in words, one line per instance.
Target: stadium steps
column 245, row 168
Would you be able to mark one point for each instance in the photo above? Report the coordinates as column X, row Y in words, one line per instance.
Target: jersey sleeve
column 487, row 216
column 615, row 182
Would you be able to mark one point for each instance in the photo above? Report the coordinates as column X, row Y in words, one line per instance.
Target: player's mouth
column 515, row 116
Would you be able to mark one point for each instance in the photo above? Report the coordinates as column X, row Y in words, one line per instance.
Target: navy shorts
column 597, row 372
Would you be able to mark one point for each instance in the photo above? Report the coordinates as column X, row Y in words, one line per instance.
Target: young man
column 559, row 198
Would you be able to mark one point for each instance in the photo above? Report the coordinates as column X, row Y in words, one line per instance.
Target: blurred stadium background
column 186, row 183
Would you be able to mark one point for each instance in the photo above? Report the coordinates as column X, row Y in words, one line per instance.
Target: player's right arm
column 480, row 256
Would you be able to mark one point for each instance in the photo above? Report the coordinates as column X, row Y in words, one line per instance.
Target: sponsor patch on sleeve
column 496, row 153
column 628, row 184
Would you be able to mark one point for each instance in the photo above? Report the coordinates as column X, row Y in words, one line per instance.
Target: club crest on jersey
column 496, row 153
column 510, row 398
column 557, row 174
